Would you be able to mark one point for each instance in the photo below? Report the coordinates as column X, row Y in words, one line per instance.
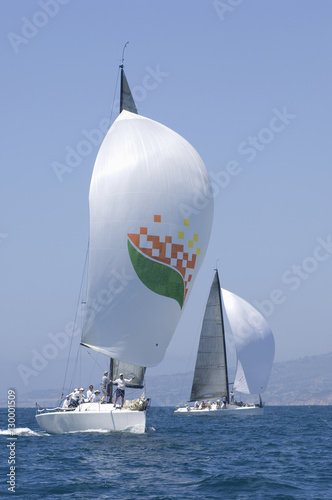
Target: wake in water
column 21, row 431
column 25, row 431
column 136, row 429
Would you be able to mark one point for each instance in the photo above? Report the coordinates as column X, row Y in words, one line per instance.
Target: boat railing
column 136, row 404
column 39, row 409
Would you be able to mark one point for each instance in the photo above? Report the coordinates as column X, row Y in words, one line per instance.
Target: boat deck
column 229, row 410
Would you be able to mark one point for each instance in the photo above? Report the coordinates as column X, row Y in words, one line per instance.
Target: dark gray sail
column 126, row 99
column 210, row 377
column 128, row 371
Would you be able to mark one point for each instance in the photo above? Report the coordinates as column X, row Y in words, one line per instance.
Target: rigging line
column 94, row 359
column 115, row 90
column 127, row 393
column 78, row 302
column 74, row 370
column 117, row 80
column 93, row 367
column 131, row 392
column 190, row 358
column 197, row 336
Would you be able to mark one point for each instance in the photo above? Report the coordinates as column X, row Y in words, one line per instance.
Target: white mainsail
column 254, row 344
column 145, row 250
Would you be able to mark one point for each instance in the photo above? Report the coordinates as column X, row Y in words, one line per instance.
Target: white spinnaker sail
column 254, row 344
column 150, row 220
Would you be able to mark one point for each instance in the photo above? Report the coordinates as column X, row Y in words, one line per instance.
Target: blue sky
column 248, row 84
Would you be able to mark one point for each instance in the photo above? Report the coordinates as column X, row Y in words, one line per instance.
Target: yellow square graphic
column 186, row 222
column 195, row 237
column 190, row 244
column 181, row 235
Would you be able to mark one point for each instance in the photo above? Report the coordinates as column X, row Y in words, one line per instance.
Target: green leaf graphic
column 156, row 276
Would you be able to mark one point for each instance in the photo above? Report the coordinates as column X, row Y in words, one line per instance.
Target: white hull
column 92, row 416
column 230, row 410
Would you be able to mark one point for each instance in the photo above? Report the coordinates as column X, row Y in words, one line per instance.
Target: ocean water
column 285, row 454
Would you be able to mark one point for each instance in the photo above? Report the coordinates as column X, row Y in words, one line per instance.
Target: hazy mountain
column 305, row 381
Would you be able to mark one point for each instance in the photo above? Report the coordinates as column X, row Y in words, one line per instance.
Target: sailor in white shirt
column 89, row 393
column 66, row 402
column 75, row 397
column 81, row 396
column 96, row 397
column 121, row 383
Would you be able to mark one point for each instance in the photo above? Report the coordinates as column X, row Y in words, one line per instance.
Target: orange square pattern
column 159, row 250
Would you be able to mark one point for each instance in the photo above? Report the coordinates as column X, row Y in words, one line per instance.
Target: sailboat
column 148, row 238
column 254, row 345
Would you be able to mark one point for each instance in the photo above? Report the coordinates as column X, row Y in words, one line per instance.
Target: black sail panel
column 210, row 376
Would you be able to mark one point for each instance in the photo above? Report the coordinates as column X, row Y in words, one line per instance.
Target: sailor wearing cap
column 121, row 383
column 74, row 398
column 81, row 396
column 96, row 397
column 66, row 402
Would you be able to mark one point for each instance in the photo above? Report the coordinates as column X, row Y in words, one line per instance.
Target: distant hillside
column 306, row 381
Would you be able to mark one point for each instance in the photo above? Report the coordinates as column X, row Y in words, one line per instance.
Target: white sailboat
column 254, row 344
column 144, row 255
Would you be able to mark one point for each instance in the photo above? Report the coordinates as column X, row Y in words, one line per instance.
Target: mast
column 121, row 88
column 126, row 99
column 136, row 183
column 223, row 336
column 110, row 399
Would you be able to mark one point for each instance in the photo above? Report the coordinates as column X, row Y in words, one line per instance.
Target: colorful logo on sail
column 164, row 263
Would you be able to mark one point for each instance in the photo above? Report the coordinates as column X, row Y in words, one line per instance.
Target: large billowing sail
column 210, row 376
column 150, row 220
column 254, row 344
